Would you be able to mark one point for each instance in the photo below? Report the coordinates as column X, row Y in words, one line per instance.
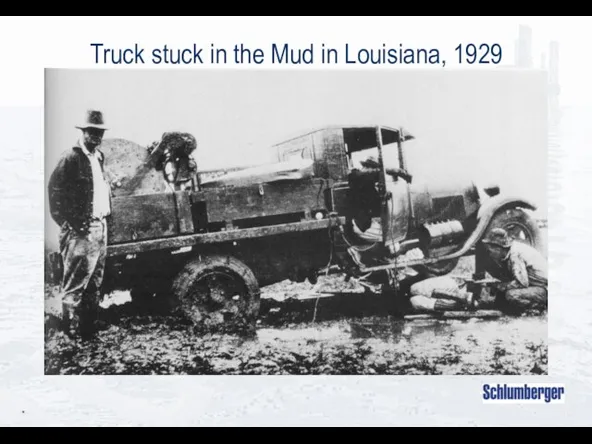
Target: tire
column 520, row 225
column 217, row 293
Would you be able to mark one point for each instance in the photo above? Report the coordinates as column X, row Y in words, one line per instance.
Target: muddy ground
column 301, row 334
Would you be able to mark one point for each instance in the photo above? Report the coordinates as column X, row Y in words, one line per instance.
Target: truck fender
column 484, row 216
column 497, row 203
column 488, row 211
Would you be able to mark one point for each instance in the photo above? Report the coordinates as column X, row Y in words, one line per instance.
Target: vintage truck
column 208, row 241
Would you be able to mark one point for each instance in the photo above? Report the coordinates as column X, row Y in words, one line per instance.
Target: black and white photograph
column 296, row 222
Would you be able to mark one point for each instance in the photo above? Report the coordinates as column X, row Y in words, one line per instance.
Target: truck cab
column 339, row 154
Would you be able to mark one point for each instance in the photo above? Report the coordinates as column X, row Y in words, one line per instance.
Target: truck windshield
column 390, row 156
column 361, row 144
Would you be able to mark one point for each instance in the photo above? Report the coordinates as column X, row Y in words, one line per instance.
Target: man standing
column 526, row 285
column 80, row 201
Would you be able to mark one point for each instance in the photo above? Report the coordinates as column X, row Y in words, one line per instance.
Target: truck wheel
column 520, row 225
column 218, row 292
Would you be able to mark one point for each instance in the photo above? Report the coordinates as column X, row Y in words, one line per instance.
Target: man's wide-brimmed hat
column 93, row 119
column 370, row 162
column 498, row 236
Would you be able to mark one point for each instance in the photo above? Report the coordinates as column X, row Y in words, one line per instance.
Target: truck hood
column 455, row 200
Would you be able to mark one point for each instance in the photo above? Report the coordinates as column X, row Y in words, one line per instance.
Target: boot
column 96, row 312
column 78, row 323
column 468, row 301
column 446, row 305
column 70, row 322
column 88, row 319
column 458, row 299
column 87, row 330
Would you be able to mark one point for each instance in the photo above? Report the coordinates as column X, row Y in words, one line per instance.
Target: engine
column 441, row 234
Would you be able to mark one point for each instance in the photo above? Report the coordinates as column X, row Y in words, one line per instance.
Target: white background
column 27, row 397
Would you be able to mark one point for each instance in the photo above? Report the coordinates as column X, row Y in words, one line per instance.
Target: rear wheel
column 218, row 292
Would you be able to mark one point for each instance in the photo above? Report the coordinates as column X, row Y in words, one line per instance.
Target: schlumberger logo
column 544, row 393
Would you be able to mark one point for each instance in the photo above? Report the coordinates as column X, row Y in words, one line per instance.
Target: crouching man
column 525, row 288
column 439, row 294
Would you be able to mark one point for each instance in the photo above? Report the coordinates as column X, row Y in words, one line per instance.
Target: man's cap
column 498, row 236
column 93, row 119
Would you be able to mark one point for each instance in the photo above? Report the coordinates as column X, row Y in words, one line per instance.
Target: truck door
column 396, row 204
column 395, row 211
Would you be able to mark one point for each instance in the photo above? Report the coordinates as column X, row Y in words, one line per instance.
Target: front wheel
column 218, row 292
column 520, row 226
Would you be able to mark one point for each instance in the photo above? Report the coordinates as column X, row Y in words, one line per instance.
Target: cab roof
column 359, row 137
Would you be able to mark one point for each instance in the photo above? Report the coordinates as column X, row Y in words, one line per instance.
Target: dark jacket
column 364, row 200
column 70, row 189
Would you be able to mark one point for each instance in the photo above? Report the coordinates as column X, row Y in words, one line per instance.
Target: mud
column 345, row 331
